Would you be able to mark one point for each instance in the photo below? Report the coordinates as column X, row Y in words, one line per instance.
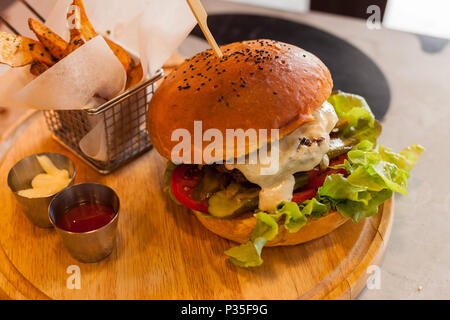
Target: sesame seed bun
column 260, row 84
column 239, row 229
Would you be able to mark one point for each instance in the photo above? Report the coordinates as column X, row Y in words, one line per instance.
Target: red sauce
column 85, row 218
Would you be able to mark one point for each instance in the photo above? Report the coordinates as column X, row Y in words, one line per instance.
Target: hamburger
column 321, row 147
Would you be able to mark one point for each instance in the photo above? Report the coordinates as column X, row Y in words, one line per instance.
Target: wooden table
column 416, row 264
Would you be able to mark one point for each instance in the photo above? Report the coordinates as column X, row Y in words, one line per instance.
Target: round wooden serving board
column 162, row 251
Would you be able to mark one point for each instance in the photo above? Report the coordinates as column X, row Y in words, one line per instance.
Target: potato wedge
column 76, row 38
column 18, row 51
column 38, row 68
column 88, row 32
column 54, row 43
column 134, row 75
column 75, row 42
column 120, row 53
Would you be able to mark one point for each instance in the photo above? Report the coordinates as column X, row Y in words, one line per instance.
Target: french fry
column 54, row 43
column 18, row 51
column 88, row 32
column 38, row 68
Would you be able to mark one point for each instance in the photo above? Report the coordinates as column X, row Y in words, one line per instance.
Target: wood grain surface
column 162, row 251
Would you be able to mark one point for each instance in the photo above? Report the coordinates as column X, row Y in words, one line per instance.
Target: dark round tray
column 352, row 70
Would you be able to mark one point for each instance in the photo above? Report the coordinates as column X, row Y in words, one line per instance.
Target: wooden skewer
column 200, row 14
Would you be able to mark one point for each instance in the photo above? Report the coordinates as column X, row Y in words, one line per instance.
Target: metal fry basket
column 119, row 124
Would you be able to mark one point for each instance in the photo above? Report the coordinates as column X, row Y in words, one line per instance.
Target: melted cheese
column 296, row 154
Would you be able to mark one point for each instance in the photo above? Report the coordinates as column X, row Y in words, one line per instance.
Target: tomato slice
column 183, row 180
column 317, row 179
column 304, row 195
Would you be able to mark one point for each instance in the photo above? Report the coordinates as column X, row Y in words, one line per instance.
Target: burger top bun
column 260, row 84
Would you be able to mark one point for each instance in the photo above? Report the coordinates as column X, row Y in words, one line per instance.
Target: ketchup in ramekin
column 86, row 217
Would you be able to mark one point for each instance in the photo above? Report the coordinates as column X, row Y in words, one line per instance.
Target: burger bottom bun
column 239, row 229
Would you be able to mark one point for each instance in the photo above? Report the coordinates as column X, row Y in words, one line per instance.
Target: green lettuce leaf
column 374, row 174
column 405, row 159
column 294, row 219
column 356, row 120
column 314, row 208
column 358, row 210
column 249, row 254
column 381, row 168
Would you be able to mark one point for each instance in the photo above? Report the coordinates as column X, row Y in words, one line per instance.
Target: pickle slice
column 232, row 201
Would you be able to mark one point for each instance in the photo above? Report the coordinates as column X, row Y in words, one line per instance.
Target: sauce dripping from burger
column 300, row 151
